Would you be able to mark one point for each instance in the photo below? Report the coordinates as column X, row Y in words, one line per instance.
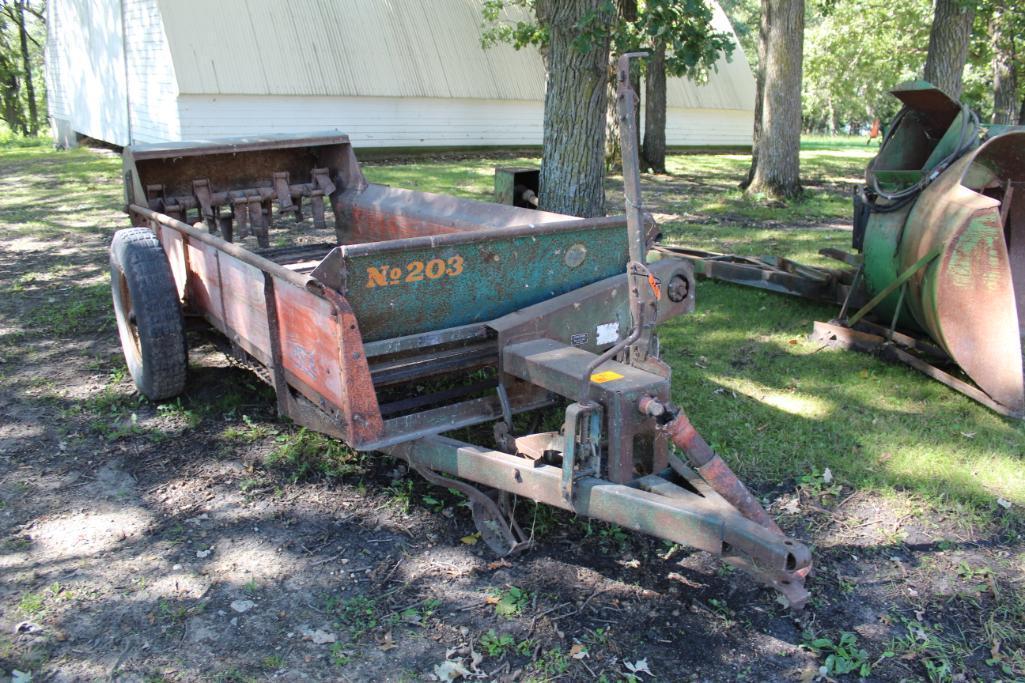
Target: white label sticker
column 607, row 333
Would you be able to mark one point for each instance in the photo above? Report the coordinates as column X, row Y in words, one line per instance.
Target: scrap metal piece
column 258, row 221
column 201, row 189
column 899, row 348
column 772, row 273
column 284, row 193
column 497, row 528
column 580, row 455
column 321, row 187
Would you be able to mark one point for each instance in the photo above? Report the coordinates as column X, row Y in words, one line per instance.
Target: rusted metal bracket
column 322, row 186
column 497, row 528
column 897, row 282
column 201, row 189
column 240, row 209
column 284, row 194
column 580, row 452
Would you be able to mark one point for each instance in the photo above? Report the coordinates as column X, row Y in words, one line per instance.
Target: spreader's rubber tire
column 149, row 314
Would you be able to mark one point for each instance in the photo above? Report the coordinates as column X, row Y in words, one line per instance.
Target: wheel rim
column 130, row 324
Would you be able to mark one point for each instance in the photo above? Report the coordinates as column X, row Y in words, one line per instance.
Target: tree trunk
column 1005, row 77
column 655, row 112
column 1021, row 113
column 948, row 45
column 10, row 94
column 573, row 160
column 30, row 91
column 756, row 133
column 777, row 171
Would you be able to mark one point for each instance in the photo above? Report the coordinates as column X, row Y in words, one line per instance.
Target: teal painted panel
column 424, row 289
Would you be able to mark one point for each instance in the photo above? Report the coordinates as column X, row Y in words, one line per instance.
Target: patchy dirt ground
column 202, row 539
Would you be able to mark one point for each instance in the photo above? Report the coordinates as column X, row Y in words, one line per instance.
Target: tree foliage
column 855, row 51
column 683, row 26
column 998, row 39
column 22, row 93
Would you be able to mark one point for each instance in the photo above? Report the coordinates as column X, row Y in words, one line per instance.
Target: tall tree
column 683, row 43
column 756, row 132
column 573, row 158
column 653, row 149
column 776, row 159
column 584, row 30
column 1005, row 77
column 20, row 55
column 26, row 66
column 948, row 44
column 999, row 26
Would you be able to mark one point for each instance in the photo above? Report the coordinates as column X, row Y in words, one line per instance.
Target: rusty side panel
column 321, row 349
column 310, row 328
column 243, row 303
column 380, row 213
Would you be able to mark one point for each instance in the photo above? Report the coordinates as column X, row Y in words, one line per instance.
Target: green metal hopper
column 943, row 237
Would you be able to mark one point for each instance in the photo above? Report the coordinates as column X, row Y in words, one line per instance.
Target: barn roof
column 384, row 48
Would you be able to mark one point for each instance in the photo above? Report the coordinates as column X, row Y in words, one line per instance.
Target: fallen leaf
column 885, row 457
column 792, row 506
column 318, row 636
column 638, row 667
column 809, row 674
column 450, row 671
column 471, row 539
column 475, row 659
column 792, row 342
column 385, row 642
column 578, row 651
column 491, row 599
column 500, row 563
column 242, row 606
column 968, row 435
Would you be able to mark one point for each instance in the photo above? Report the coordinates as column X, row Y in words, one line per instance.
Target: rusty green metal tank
column 941, row 225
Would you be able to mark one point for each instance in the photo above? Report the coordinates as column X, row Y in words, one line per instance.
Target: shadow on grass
column 778, row 405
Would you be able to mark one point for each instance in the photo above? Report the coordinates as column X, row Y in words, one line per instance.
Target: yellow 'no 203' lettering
column 414, row 271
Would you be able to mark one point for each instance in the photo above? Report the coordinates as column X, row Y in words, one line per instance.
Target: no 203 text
column 414, row 271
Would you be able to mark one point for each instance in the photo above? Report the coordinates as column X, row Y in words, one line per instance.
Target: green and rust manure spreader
column 420, row 314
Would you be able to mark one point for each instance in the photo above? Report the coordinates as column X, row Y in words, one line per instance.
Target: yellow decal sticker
column 607, row 376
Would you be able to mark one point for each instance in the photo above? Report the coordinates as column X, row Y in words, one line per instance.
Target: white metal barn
column 390, row 73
